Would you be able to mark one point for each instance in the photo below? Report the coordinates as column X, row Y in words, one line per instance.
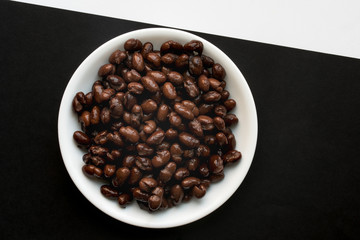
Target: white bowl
column 245, row 133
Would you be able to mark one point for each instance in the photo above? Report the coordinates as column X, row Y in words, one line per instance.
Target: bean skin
column 107, row 69
column 161, row 158
column 231, row 156
column 117, row 57
column 230, row 104
column 149, row 106
column 183, row 111
column 154, row 59
column 218, row 71
column 167, row 172
column 203, row 83
column 146, row 184
column 176, row 194
column 194, row 46
column 216, row 164
column 162, row 113
column 133, row 45
column 158, row 76
column 108, row 191
column 189, row 182
column 156, row 138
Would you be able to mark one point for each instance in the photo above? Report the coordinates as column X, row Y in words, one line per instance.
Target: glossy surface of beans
column 156, row 125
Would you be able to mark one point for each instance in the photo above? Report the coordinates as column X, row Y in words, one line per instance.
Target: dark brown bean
column 192, row 164
column 220, row 111
column 219, row 123
column 135, row 87
column 224, row 95
column 150, row 84
column 89, row 97
column 195, row 128
column 194, row 46
column 116, row 107
column 129, row 100
column 95, row 115
column 123, row 199
column 87, row 158
column 205, row 108
column 203, row 151
column 158, row 76
column 175, row 78
column 91, row 170
column 109, row 170
column 161, row 158
column 143, row 163
column 217, row 177
column 144, row 150
column 176, row 153
column 203, row 83
column 130, row 134
column 189, row 140
column 101, row 138
column 221, row 139
column 140, row 195
column 218, row 71
column 167, row 172
column 183, row 111
column 214, row 83
column 149, row 106
column 78, row 102
column 158, row 191
column 147, row 184
column 169, row 90
column 230, row 104
column 138, row 62
column 108, row 191
column 171, row 134
column 189, row 182
column 97, row 161
column 162, row 113
column 195, row 65
column 171, row 46
column 169, row 58
column 156, row 138
column 132, row 76
column 133, row 45
column 191, row 88
column 189, row 153
column 199, row 191
column 106, row 69
column 176, row 194
column 117, row 57
column 135, row 176
column 230, row 119
column 98, row 151
column 216, row 164
column 231, row 156
column 163, row 146
column 147, row 48
column 207, row 123
column 154, row 202
column 207, row 61
column 204, row 170
column 211, row 97
column 149, row 127
column 182, row 61
column 122, row 175
column 191, row 106
column 181, row 173
column 157, row 97
column 81, row 138
column 154, row 59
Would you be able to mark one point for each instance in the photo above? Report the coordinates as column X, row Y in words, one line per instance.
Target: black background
column 304, row 182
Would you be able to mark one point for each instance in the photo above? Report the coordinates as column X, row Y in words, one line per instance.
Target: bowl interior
column 245, row 133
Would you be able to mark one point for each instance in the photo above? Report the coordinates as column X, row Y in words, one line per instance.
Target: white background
column 329, row 26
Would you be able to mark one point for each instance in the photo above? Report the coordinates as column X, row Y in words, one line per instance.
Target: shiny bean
column 129, row 100
column 162, row 113
column 220, row 110
column 149, row 106
column 191, row 88
column 140, row 195
column 199, row 191
column 176, row 194
column 146, row 48
column 122, row 175
column 221, row 139
column 171, row 46
column 207, row 123
column 182, row 61
column 78, row 102
column 144, row 150
column 207, row 61
column 108, row 191
column 135, row 87
column 158, row 76
column 135, row 176
column 156, row 138
column 194, row 46
column 147, row 184
column 219, row 123
column 133, row 45
column 169, row 58
column 195, row 65
column 132, row 76
column 216, row 164
column 106, row 69
column 91, row 170
column 116, row 107
column 167, row 172
column 203, row 83
column 183, row 111
column 169, row 90
column 189, row 140
column 192, row 164
column 175, row 78
column 231, row 156
column 149, row 127
column 143, row 163
column 154, row 202
column 117, row 57
column 204, row 170
column 195, row 128
column 211, row 97
column 130, row 134
column 218, row 71
column 150, row 84
column 176, row 153
column 181, row 173
column 171, row 134
column 161, row 158
column 189, row 182
column 81, row 138
column 230, row 104
column 230, row 119
column 109, row 170
column 123, row 199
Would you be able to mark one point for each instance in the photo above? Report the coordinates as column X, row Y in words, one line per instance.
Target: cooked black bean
column 150, row 84
column 232, row 156
column 117, row 57
column 81, row 138
column 218, row 71
column 133, row 45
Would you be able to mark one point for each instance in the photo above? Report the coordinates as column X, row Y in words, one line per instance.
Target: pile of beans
column 156, row 125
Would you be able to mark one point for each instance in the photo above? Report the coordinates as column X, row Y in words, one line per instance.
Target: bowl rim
column 139, row 32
